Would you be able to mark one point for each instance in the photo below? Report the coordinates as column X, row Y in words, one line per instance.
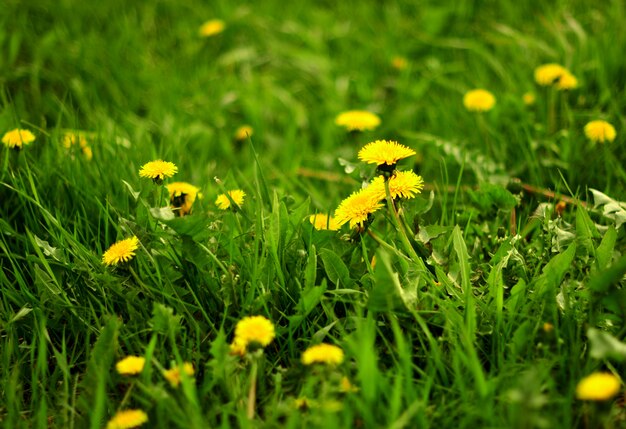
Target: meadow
column 275, row 270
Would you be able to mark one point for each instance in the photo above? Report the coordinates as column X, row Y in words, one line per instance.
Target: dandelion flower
column 173, row 375
column 358, row 120
column 403, row 184
column 599, row 386
column 346, row 386
column 322, row 353
column 254, row 329
column 158, row 170
column 322, row 221
column 122, row 251
column 236, row 195
column 130, row 365
column 182, row 197
column 600, row 131
column 212, row 27
column 127, row 419
column 357, row 207
column 528, row 98
column 567, row 81
column 71, row 139
column 399, row 63
column 548, row 74
column 479, row 100
column 16, row 138
column 243, row 132
column 384, row 152
column 238, row 347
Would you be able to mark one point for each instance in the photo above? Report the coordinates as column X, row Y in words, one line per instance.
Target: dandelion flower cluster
column 600, row 131
column 212, row 27
column 71, row 139
column 557, row 75
column 127, row 419
column 236, row 195
column 130, row 365
column 599, row 386
column 158, row 170
column 357, row 208
column 17, row 138
column 322, row 353
column 403, row 184
column 174, row 374
column 357, row 120
column 384, row 152
column 479, row 100
column 252, row 330
column 182, row 197
column 243, row 132
column 122, row 251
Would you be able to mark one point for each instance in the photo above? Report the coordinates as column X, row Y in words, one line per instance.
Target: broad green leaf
column 335, row 269
column 602, row 280
column 604, row 252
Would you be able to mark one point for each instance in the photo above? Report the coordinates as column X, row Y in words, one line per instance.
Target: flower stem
column 252, row 391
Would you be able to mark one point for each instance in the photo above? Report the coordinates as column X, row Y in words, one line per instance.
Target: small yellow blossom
column 174, row 376
column 238, row 347
column 122, row 251
column 71, row 139
column 529, row 98
column 17, row 138
column 566, row 82
column 322, row 353
column 548, row 327
column 599, row 386
column 357, row 207
column 322, row 221
column 182, row 197
column 357, row 120
column 549, row 74
column 600, row 131
column 127, row 419
column 403, row 184
column 130, row 365
column 158, row 170
column 236, row 195
column 253, row 329
column 243, row 132
column 384, row 152
column 399, row 63
column 347, row 387
column 212, row 27
column 479, row 100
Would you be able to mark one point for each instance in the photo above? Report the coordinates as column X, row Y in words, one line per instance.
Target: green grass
column 446, row 329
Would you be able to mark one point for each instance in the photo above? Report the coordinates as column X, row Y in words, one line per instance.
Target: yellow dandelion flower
column 599, row 386
column 323, row 353
column 399, row 63
column 174, row 374
column 122, row 251
column 238, row 347
column 357, row 208
column 254, row 329
column 87, row 152
column 347, row 387
column 212, row 27
column 548, row 327
column 600, row 131
column 322, row 221
column 182, row 197
column 357, row 120
column 566, row 82
column 548, row 74
column 71, row 139
column 243, row 132
column 403, row 184
column 158, row 170
column 127, row 419
column 130, row 365
column 529, row 98
column 17, row 138
column 479, row 100
column 236, row 195
column 384, row 152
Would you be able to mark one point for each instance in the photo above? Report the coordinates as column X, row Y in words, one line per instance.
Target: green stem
column 252, row 391
column 397, row 224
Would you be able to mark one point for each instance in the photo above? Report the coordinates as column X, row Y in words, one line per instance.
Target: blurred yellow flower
column 173, row 375
column 243, row 132
column 322, row 353
column 357, row 120
column 122, row 251
column 384, row 152
column 357, row 207
column 127, row 419
column 236, row 195
column 130, row 365
column 399, row 63
column 238, row 347
column 182, row 197
column 212, row 27
column 528, row 98
column 253, row 329
column 479, row 100
column 321, row 221
column 70, row 139
column 17, row 138
column 566, row 82
column 600, row 131
column 549, row 74
column 599, row 386
column 403, row 184
column 158, row 170
column 347, row 387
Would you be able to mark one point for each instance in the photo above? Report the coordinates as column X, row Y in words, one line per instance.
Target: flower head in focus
column 357, row 120
column 403, row 184
column 322, row 353
column 386, row 152
column 357, row 208
column 17, row 138
column 600, row 131
column 212, row 27
column 479, row 100
column 122, row 251
column 182, row 197
column 158, row 170
column 236, row 195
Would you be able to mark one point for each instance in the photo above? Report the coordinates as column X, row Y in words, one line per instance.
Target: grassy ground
column 512, row 302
